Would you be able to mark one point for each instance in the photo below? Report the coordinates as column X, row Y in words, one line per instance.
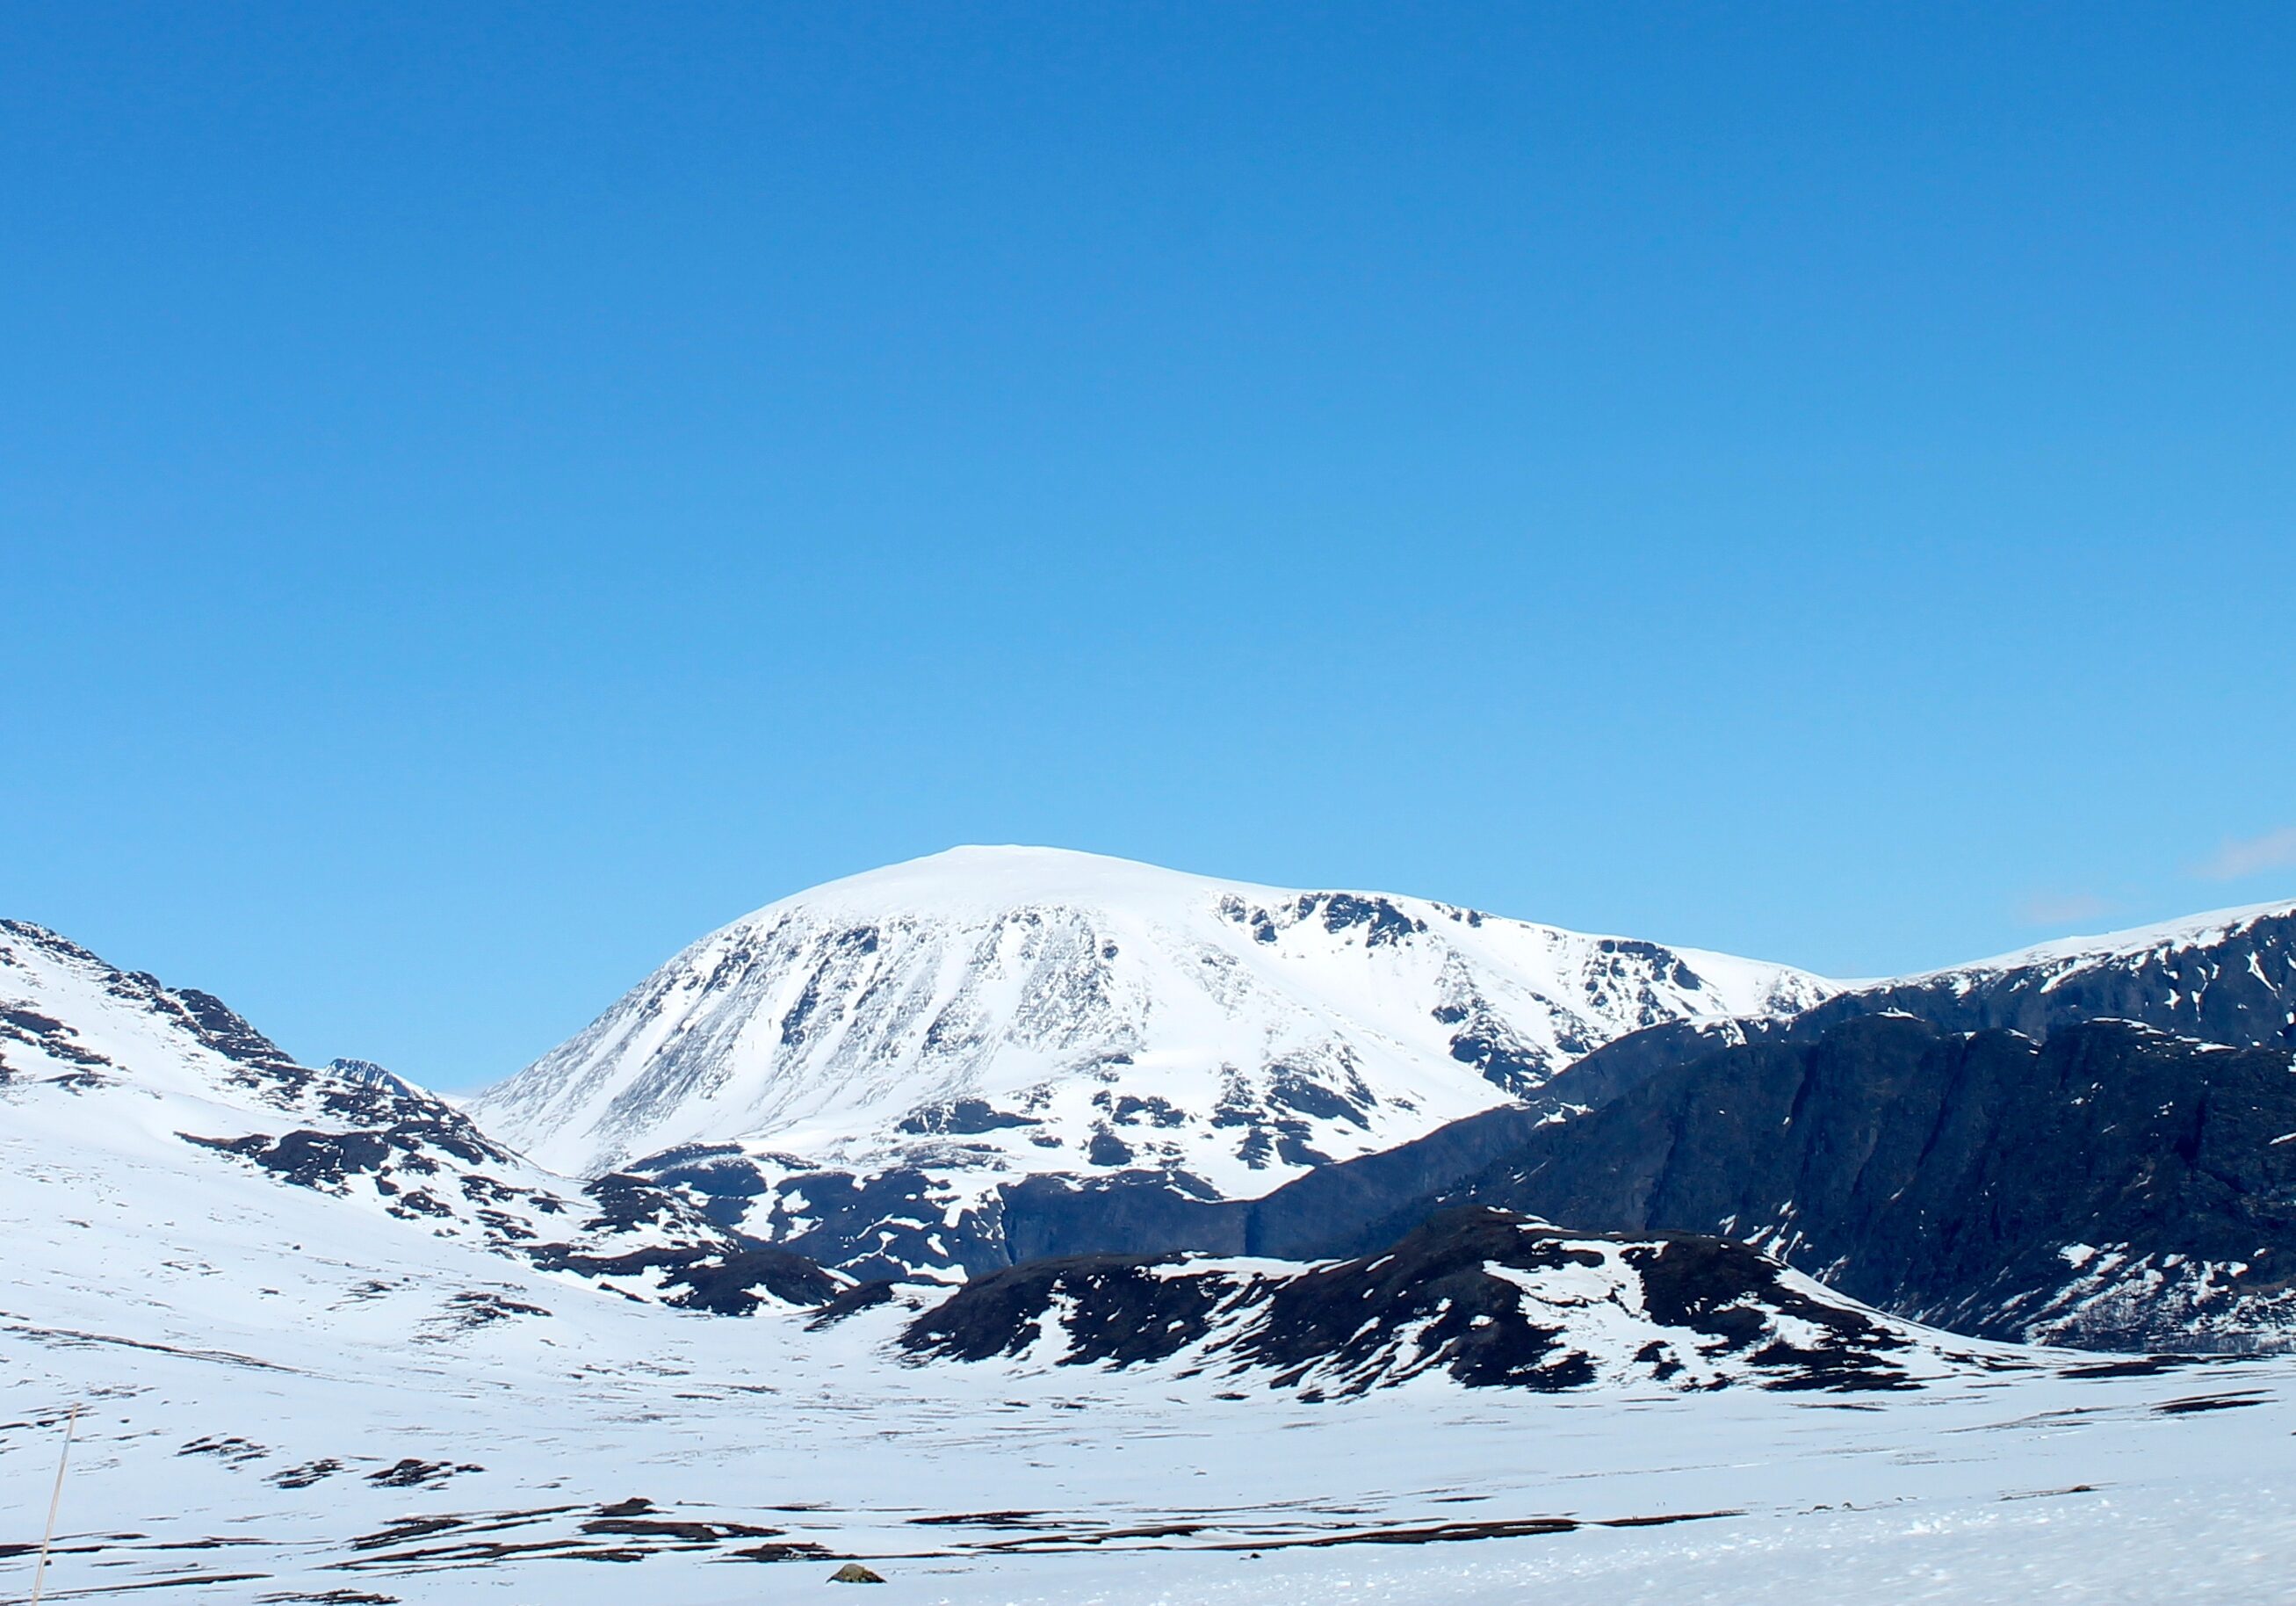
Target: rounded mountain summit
column 988, row 1014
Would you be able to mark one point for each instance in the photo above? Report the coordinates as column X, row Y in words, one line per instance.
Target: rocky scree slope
column 94, row 1055
column 866, row 1071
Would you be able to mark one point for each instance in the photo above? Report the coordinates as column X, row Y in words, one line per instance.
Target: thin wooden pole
column 55, row 1502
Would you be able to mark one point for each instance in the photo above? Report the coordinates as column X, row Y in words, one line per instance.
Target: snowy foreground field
column 264, row 1421
column 1023, row 1486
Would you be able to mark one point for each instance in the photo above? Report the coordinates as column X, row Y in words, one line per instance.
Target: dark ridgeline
column 1979, row 1181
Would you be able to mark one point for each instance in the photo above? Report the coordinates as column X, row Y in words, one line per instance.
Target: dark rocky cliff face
column 2113, row 1186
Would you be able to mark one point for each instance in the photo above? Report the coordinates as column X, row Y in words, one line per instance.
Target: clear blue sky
column 489, row 492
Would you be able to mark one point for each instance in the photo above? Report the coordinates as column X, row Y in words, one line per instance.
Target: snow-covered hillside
column 991, row 1013
column 110, row 1072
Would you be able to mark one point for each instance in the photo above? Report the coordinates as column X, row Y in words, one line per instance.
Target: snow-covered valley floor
column 614, row 1451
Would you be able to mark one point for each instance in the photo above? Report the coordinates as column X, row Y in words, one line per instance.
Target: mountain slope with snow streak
column 2226, row 977
column 990, row 1014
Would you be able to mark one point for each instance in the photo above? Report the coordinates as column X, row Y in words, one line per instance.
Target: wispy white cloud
column 2063, row 909
column 2250, row 855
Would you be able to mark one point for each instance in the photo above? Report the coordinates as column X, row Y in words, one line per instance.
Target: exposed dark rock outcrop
column 726, row 1281
column 1488, row 1298
column 2232, row 984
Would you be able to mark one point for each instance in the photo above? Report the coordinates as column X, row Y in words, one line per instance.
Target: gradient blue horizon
column 489, row 493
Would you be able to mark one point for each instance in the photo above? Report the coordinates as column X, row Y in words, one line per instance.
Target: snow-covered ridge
column 2228, row 977
column 2188, row 931
column 1000, row 1012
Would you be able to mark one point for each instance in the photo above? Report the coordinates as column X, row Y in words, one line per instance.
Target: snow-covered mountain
column 286, row 1393
column 2082, row 1142
column 857, row 1069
